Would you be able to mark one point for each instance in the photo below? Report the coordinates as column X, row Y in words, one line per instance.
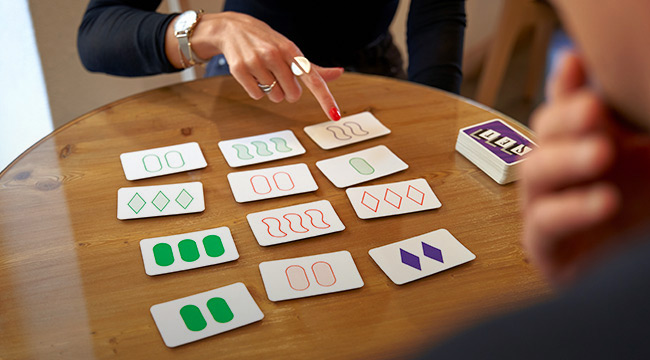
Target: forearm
column 125, row 38
column 436, row 31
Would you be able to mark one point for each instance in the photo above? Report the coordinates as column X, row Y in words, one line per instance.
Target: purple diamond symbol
column 432, row 252
column 410, row 259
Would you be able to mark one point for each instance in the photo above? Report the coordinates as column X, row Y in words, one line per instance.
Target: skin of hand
column 256, row 54
column 586, row 184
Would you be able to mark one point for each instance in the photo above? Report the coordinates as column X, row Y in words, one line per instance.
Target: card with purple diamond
column 418, row 257
column 500, row 139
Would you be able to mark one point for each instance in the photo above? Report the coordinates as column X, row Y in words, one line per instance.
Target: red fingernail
column 335, row 114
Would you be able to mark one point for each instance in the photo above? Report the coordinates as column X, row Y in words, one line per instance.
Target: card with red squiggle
column 295, row 222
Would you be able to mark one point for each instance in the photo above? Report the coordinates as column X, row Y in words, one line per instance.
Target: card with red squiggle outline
column 295, row 222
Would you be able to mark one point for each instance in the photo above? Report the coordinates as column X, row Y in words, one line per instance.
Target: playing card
column 173, row 253
column 412, row 259
column 500, row 140
column 310, row 275
column 361, row 166
column 261, row 148
column 271, row 182
column 205, row 314
column 162, row 161
column 294, row 222
column 392, row 199
column 349, row 130
column 159, row 200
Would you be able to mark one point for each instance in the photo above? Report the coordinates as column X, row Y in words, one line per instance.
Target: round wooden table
column 72, row 281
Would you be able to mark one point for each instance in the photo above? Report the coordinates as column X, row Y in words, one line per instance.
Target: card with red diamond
column 418, row 257
column 392, row 199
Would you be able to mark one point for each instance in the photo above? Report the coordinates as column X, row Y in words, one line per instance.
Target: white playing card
column 361, row 166
column 261, row 148
column 349, row 130
column 310, row 275
column 271, row 182
column 392, row 199
column 167, row 254
column 162, row 161
column 420, row 256
column 159, row 200
column 295, row 222
column 202, row 315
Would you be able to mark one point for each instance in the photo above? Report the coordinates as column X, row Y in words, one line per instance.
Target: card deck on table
column 392, row 199
column 495, row 147
column 162, row 161
column 310, row 275
column 361, row 166
column 173, row 253
column 261, row 148
column 271, row 182
column 349, row 130
column 205, row 314
column 295, row 222
column 159, row 200
column 412, row 259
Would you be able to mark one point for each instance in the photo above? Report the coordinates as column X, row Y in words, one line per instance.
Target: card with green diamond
column 159, row 200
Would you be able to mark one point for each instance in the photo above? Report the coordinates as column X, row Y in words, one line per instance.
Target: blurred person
column 586, row 200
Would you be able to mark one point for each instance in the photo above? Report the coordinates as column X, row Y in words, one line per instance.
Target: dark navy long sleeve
column 127, row 37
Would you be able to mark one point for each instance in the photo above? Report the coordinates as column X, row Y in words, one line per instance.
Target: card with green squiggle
column 261, row 148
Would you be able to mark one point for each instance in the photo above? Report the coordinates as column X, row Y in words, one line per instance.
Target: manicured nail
column 335, row 114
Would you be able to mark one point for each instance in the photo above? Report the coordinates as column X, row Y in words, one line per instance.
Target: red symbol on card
column 261, row 184
column 299, row 281
column 316, row 219
column 415, row 195
column 370, row 201
column 392, row 198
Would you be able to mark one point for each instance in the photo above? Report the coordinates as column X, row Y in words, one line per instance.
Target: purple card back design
column 501, row 140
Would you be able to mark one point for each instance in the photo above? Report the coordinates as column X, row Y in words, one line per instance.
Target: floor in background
column 511, row 101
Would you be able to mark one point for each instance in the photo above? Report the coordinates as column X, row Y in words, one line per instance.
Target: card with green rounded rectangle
column 202, row 315
column 167, row 254
column 261, row 148
column 162, row 161
column 159, row 200
column 361, row 166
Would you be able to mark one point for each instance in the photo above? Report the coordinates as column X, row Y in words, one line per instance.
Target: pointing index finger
column 302, row 68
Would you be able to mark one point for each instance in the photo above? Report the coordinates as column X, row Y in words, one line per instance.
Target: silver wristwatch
column 183, row 28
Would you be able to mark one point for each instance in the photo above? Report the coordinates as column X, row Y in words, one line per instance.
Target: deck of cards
column 495, row 147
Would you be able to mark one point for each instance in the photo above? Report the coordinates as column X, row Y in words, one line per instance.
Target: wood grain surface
column 72, row 281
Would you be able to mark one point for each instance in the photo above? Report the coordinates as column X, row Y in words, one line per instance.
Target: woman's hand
column 257, row 54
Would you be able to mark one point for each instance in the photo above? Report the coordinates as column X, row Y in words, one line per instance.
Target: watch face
column 185, row 21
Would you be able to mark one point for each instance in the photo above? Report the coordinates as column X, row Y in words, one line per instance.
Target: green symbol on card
column 262, row 148
column 163, row 254
column 136, row 203
column 242, row 152
column 174, row 159
column 152, row 163
column 160, row 201
column 361, row 166
column 193, row 318
column 220, row 310
column 213, row 246
column 184, row 199
column 280, row 144
column 189, row 251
